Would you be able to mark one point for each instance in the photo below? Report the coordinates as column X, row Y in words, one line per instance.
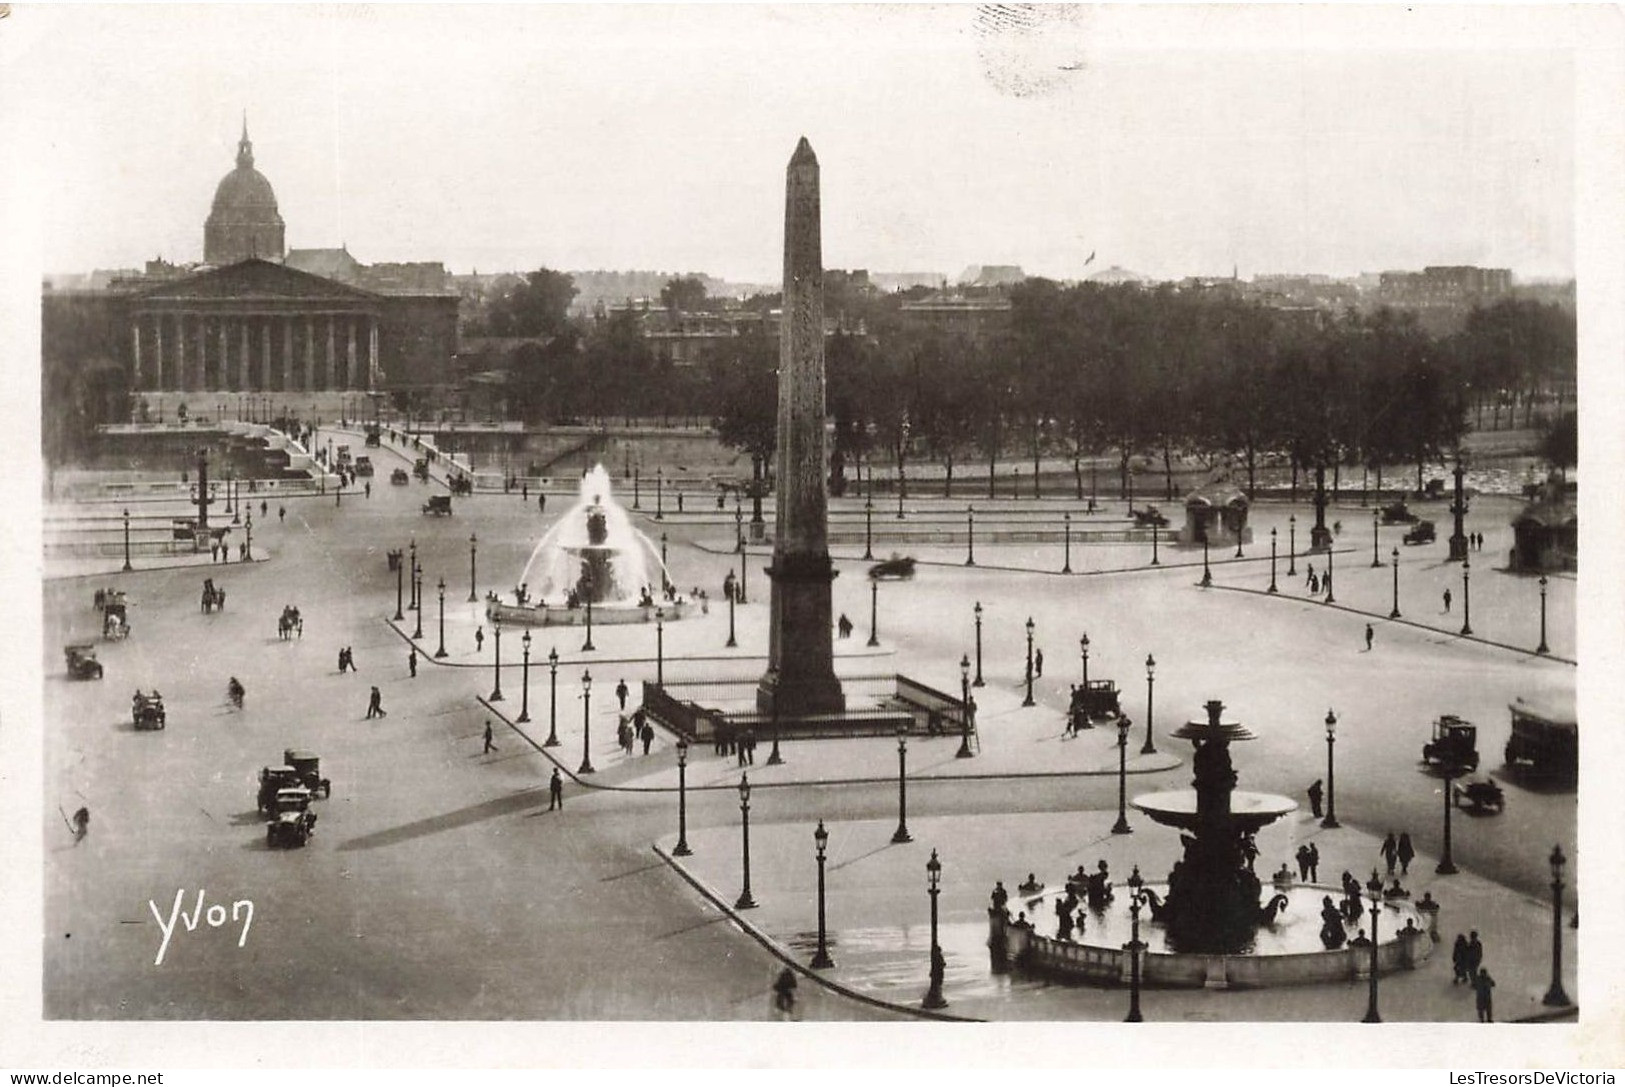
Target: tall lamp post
column 868, row 529
column 660, row 647
column 417, row 591
column 744, row 574
column 586, row 724
column 1155, row 561
column 1447, row 863
column 682, row 849
column 821, row 960
column 127, row 565
column 1376, row 524
column 1466, row 597
column 637, row 498
column 1066, row 561
column 901, row 834
column 524, row 682
column 739, row 526
column 964, row 751
column 663, row 561
column 1373, row 891
column 1272, row 587
column 1292, row 545
column 874, row 611
column 970, row 535
column 660, row 494
column 587, row 646
column 473, row 570
column 1555, row 996
column 496, row 629
column 745, row 901
column 441, row 651
column 1330, row 822
column 1393, row 613
column 1121, row 826
column 933, row 883
column 1028, row 701
column 1207, row 571
column 1238, row 541
column 248, row 535
column 1331, row 557
column 412, row 574
column 1134, row 947
column 732, row 642
column 978, row 681
column 1539, row 649
column 1083, row 647
column 1149, row 748
column 552, row 698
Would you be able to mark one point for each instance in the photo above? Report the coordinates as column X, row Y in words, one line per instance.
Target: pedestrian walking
column 739, row 749
column 750, row 746
column 375, row 704
column 1311, row 580
column 1483, row 984
column 524, row 492
column 1390, row 851
column 1447, row 601
column 479, row 639
column 1038, row 664
column 1458, row 960
column 679, row 501
column 1317, row 793
column 784, row 993
column 281, row 514
column 646, row 733
column 264, row 509
column 541, row 502
column 1303, row 863
column 1475, row 953
column 555, row 791
column 1406, row 853
column 1314, row 584
column 844, row 625
column 1326, row 583
column 1314, row 863
column 81, row 824
column 369, row 488
column 1369, row 634
column 343, row 659
column 620, row 694
column 489, row 746
column 412, row 661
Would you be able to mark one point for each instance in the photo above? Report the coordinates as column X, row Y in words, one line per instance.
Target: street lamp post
column 1121, row 826
column 970, row 535
column 1028, row 701
column 1555, row 996
column 773, row 757
column 637, row 499
column 1330, row 822
column 732, row 642
column 1373, row 890
column 978, row 681
column 473, row 569
column 1447, row 863
column 1149, row 748
column 868, row 528
column 552, row 698
column 1539, row 649
column 660, row 493
column 660, row 647
column 248, row 535
column 524, row 681
column 1376, row 524
column 1155, row 561
column 1331, row 556
column 412, row 575
column 663, row 556
column 441, row 651
column 901, row 834
column 964, row 751
column 1292, row 545
column 1134, row 947
column 745, row 901
column 1272, row 587
column 417, row 588
column 1207, row 571
column 1083, row 645
column 744, row 575
column 682, row 849
column 496, row 628
column 821, row 960
column 933, row 877
column 1466, row 597
column 874, row 610
column 588, row 647
column 127, row 565
column 739, row 527
column 1066, row 560
column 1238, row 542
column 1393, row 613
column 586, row 766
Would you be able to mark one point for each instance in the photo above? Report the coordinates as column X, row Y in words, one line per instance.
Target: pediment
column 253, row 280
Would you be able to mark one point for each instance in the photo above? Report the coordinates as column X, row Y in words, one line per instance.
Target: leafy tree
column 1560, row 445
column 683, row 294
column 538, row 306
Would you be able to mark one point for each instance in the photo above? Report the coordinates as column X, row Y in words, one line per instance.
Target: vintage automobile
column 421, row 469
column 292, row 822
column 309, row 768
column 374, row 436
column 1151, row 515
column 439, row 505
column 363, row 466
column 1422, row 532
column 1545, row 740
column 1454, row 745
column 1096, row 700
column 273, row 779
column 116, row 621
column 896, row 568
column 82, row 662
column 399, row 477
column 1395, row 513
column 1480, row 796
column 147, row 711
column 460, row 484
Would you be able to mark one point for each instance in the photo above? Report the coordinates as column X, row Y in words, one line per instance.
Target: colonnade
column 196, row 351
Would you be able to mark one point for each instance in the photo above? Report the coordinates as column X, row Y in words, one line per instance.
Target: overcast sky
column 1170, row 141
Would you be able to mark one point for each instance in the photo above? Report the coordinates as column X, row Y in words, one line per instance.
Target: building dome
column 243, row 221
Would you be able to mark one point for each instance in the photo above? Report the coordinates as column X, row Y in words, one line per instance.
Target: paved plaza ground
column 439, row 886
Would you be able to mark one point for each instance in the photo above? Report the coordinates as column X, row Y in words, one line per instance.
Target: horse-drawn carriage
column 1096, row 700
column 82, row 662
column 290, row 623
column 213, row 599
column 115, row 614
column 421, row 469
column 147, row 711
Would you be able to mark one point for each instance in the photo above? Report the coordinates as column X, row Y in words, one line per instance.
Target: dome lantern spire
column 245, row 148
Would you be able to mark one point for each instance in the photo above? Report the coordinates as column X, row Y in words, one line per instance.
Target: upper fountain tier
column 594, row 552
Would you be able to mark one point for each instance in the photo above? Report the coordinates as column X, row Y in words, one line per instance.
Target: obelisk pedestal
column 800, row 679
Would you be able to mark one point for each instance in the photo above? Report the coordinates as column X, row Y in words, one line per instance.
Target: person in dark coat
column 1406, row 853
column 1038, row 664
column 1483, row 984
column 1317, row 794
column 620, row 694
column 1314, row 863
column 1475, row 954
column 375, row 705
column 1303, row 864
column 555, row 791
column 1369, row 634
column 1458, row 960
column 412, row 661
column 489, row 746
column 479, row 639
column 1390, row 852
column 646, row 731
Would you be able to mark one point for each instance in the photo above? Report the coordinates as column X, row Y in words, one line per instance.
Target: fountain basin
column 545, row 615
column 1248, row 811
column 1287, row 952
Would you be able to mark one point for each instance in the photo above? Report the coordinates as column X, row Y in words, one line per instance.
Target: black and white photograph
column 549, row 531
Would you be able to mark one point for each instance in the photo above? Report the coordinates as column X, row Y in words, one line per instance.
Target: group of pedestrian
column 1466, row 959
column 375, row 705
column 1398, row 851
column 632, row 730
column 1475, row 540
column 347, row 661
column 843, row 626
column 1308, row 857
column 741, row 744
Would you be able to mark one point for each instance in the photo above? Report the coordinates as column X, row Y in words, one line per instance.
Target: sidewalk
column 879, row 915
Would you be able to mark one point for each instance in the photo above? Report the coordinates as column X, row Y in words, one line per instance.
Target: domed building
column 243, row 222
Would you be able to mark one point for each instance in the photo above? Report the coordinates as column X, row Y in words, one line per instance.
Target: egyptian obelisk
column 800, row 677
